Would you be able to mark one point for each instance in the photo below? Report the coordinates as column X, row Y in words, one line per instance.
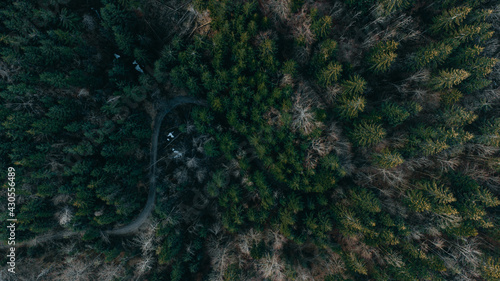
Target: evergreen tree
column 394, row 113
column 431, row 55
column 449, row 19
column 329, row 74
column 449, row 78
column 356, row 85
column 387, row 159
column 382, row 56
column 350, row 107
column 366, row 134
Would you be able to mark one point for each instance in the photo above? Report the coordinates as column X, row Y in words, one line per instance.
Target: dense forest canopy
column 338, row 140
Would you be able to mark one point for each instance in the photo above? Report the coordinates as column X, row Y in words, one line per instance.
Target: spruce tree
column 446, row 79
column 367, row 133
column 382, row 56
column 449, row 19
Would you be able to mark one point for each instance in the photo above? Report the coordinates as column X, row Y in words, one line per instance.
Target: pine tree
column 365, row 200
column 431, row 147
column 449, row 78
column 491, row 269
column 366, row 134
column 449, row 19
column 350, row 107
column 394, row 113
column 466, row 54
column 481, row 66
column 490, row 133
column 416, row 201
column 356, row 264
column 457, row 116
column 329, row 74
column 322, row 26
column 382, row 56
column 356, row 85
column 389, row 6
column 350, row 224
column 431, row 55
column 439, row 193
column 387, row 159
column 327, row 51
column 487, row 198
column 467, row 33
column 450, row 97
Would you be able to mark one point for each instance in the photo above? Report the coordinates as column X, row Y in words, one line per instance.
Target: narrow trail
column 163, row 109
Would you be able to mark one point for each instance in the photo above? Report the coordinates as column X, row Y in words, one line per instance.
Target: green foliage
column 356, row 264
column 491, row 269
column 387, row 160
column 367, row 134
column 394, row 113
column 321, row 26
column 327, row 51
column 446, row 79
column 356, row 85
column 382, row 56
column 313, row 153
column 350, row 107
column 439, row 193
column 431, row 55
column 387, row 7
column 416, row 201
column 329, row 74
column 450, row 97
column 365, row 200
column 457, row 116
column 490, row 133
column 449, row 19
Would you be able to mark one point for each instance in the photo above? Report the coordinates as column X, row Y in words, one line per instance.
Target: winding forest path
column 163, row 109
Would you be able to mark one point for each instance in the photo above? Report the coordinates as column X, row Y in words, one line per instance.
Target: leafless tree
column 110, row 272
column 286, row 80
column 76, row 268
column 64, row 216
column 192, row 162
column 221, row 255
column 394, row 259
column 276, row 239
column 181, row 174
column 447, row 164
column 279, row 8
column 144, row 265
column 303, row 118
column 466, row 253
column 421, row 76
column 300, row 24
column 271, row 266
column 303, row 274
column 331, row 93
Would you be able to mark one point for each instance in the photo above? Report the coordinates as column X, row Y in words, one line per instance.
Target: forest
column 329, row 140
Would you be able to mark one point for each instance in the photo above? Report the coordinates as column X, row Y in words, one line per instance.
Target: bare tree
column 280, row 9
column 221, row 254
column 64, row 216
column 144, row 265
column 271, row 266
column 110, row 272
column 303, row 118
column 76, row 268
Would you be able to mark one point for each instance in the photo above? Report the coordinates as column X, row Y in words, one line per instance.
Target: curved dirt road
column 163, row 109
